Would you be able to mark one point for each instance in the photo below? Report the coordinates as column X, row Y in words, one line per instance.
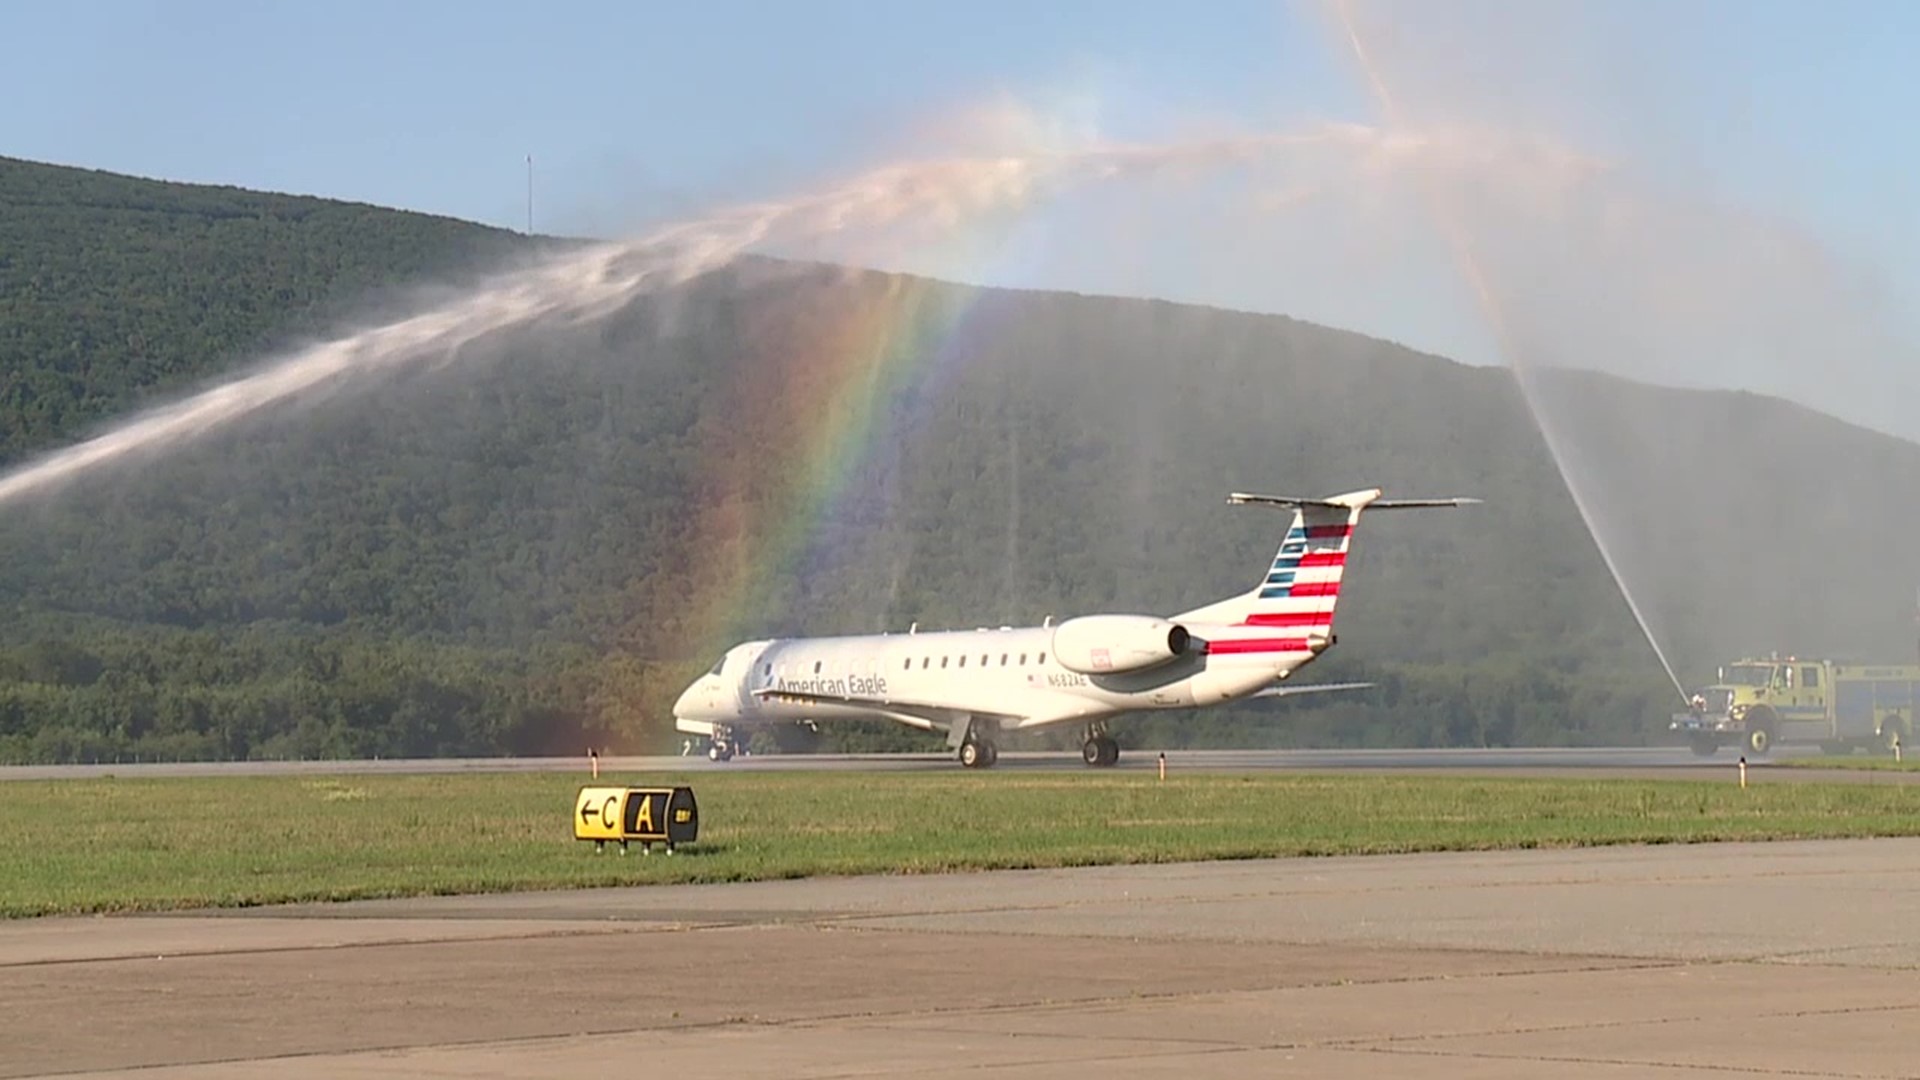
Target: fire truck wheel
column 1760, row 723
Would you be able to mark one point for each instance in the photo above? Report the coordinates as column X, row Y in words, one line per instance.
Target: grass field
column 123, row 845
column 1856, row 764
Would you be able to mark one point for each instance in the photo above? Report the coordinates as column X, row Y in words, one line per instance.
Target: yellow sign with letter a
column 650, row 815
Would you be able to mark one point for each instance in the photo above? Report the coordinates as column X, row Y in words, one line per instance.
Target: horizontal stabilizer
column 1355, row 501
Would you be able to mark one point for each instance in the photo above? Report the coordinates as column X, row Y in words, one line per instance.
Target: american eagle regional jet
column 975, row 685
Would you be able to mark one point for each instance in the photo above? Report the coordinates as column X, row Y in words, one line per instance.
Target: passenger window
column 963, row 661
column 907, row 663
column 944, row 659
column 1003, row 659
column 983, row 659
column 926, row 662
column 1023, row 659
column 816, row 667
column 1042, row 660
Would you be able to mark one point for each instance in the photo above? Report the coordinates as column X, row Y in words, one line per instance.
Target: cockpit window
column 717, row 665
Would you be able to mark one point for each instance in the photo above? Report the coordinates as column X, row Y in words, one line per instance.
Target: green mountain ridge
column 532, row 547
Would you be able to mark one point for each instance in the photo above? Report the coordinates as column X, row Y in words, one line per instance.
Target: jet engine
column 1105, row 644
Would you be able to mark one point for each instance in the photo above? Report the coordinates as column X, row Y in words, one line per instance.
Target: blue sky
column 434, row 105
column 1793, row 115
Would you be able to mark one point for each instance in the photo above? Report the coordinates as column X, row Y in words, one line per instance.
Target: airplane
column 976, row 685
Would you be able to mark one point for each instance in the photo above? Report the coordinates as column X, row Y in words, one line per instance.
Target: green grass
column 1857, row 764
column 123, row 845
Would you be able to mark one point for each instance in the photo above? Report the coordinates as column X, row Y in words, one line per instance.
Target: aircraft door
column 707, row 694
column 748, row 669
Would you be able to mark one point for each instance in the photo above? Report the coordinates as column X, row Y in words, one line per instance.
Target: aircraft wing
column 1313, row 688
column 915, row 713
column 940, row 716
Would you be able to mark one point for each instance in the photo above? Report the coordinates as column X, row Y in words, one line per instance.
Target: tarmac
column 1774, row 959
column 1664, row 762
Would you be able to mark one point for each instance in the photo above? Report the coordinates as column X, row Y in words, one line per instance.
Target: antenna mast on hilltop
column 529, row 194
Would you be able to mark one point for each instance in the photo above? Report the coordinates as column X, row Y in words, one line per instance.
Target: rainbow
column 778, row 454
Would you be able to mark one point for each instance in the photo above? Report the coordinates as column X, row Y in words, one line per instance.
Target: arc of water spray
column 601, row 278
column 1459, row 241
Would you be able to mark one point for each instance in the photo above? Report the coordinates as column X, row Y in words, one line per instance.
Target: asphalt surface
column 1674, row 762
column 1790, row 959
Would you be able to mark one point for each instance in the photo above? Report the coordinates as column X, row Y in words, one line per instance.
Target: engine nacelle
column 1105, row 644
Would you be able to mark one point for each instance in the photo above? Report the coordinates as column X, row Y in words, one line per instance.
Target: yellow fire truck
column 1757, row 704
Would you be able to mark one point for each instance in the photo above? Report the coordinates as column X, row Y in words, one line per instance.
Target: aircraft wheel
column 974, row 755
column 989, row 754
column 1100, row 751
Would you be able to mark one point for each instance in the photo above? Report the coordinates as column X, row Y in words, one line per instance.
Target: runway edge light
column 660, row 815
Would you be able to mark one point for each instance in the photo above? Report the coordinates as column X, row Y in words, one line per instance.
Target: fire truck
column 1758, row 704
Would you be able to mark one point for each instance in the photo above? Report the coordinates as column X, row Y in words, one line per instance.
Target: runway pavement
column 1676, row 762
column 1784, row 959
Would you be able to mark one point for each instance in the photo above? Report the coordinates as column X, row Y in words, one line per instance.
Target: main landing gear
column 979, row 753
column 976, row 743
column 1099, row 751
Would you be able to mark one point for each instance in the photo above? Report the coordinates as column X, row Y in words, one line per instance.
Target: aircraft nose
column 683, row 704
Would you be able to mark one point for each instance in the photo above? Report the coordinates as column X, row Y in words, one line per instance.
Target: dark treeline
column 290, row 692
column 530, row 547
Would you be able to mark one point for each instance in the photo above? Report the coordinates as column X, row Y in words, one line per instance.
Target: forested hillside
column 113, row 288
column 533, row 544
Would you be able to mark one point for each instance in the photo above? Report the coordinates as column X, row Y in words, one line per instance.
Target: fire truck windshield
column 1749, row 675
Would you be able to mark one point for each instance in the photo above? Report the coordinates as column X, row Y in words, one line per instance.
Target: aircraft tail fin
column 1302, row 584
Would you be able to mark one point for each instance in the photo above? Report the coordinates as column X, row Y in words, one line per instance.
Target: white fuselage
column 1006, row 672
